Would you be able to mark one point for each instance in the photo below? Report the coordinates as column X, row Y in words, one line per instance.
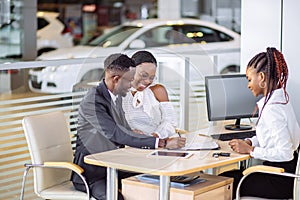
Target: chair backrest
column 48, row 139
column 297, row 180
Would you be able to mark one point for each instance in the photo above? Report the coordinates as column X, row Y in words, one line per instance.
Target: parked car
column 184, row 37
column 51, row 34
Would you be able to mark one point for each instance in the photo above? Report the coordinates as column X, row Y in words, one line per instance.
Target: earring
column 262, row 84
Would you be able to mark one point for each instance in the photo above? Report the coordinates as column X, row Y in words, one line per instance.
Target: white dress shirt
column 145, row 113
column 277, row 132
column 113, row 97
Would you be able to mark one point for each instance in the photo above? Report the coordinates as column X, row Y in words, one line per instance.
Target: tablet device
column 171, row 153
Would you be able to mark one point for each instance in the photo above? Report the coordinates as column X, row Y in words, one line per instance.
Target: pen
column 200, row 134
column 178, row 131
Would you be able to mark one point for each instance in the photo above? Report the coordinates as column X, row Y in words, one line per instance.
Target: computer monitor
column 228, row 97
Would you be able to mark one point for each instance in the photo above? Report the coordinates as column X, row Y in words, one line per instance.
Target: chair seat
column 63, row 191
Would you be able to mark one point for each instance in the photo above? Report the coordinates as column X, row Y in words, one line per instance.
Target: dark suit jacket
column 102, row 127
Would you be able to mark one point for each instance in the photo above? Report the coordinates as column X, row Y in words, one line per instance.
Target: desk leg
column 242, row 165
column 164, row 187
column 112, row 184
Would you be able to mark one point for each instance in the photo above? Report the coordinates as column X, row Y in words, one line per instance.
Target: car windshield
column 114, row 37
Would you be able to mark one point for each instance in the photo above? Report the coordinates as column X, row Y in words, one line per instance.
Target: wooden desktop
column 138, row 160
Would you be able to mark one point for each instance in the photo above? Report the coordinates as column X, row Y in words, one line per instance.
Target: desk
column 218, row 127
column 138, row 160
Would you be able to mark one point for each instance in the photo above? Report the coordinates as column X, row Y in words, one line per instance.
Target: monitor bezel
column 208, row 100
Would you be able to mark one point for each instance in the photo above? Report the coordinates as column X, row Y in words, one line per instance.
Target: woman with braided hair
column 277, row 130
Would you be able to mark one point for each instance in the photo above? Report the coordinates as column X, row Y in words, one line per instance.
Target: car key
column 216, row 155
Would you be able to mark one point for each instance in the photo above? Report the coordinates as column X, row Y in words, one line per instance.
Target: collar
column 113, row 97
column 277, row 97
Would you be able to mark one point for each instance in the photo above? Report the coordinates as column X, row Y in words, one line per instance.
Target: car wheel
column 231, row 69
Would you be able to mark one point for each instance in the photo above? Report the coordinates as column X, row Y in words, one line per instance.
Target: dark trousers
column 98, row 188
column 266, row 185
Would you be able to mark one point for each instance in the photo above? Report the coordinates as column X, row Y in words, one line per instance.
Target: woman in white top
column 147, row 107
column 277, row 130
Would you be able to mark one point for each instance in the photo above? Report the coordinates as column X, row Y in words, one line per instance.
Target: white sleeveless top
column 145, row 113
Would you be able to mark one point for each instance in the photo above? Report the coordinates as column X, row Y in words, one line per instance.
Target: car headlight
column 52, row 69
column 63, row 68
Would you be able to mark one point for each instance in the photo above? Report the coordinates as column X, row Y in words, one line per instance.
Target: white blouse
column 277, row 132
column 145, row 113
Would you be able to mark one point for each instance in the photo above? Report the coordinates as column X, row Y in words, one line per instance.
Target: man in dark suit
column 102, row 125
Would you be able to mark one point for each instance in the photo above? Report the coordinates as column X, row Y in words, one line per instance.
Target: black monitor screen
column 228, row 97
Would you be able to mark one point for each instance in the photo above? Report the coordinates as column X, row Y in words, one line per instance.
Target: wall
column 290, row 45
column 259, row 29
column 272, row 23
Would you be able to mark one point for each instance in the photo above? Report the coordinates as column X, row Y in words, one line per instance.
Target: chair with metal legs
column 51, row 155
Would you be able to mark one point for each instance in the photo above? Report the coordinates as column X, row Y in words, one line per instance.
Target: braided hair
column 273, row 65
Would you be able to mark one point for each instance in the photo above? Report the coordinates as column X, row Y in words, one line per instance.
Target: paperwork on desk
column 196, row 141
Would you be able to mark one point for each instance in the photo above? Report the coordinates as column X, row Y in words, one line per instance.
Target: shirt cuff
column 156, row 143
column 253, row 153
column 161, row 143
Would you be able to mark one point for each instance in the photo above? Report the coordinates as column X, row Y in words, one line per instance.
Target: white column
column 29, row 39
column 168, row 9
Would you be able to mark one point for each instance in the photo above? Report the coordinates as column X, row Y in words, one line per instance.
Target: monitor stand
column 238, row 126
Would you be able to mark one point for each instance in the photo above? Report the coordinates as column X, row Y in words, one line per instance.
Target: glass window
column 41, row 23
column 182, row 34
column 114, row 37
column 10, row 41
column 224, row 37
column 202, row 34
column 156, row 37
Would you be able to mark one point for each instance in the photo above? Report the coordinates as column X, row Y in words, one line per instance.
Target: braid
column 282, row 70
column 271, row 75
column 273, row 65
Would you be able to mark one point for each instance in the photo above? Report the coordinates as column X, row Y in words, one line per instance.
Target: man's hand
column 155, row 135
column 175, row 143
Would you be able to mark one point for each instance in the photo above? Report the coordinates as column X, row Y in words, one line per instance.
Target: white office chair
column 270, row 170
column 51, row 155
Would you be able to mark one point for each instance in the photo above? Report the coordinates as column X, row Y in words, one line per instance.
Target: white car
column 51, row 35
column 184, row 37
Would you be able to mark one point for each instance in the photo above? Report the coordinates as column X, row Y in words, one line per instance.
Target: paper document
column 200, row 142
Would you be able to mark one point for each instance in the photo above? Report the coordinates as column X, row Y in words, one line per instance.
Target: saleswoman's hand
column 240, row 146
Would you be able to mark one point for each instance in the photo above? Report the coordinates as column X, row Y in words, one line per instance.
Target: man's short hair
column 119, row 62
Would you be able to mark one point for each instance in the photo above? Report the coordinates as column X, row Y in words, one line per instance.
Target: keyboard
column 234, row 135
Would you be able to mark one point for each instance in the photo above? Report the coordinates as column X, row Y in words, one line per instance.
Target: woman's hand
column 240, row 146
